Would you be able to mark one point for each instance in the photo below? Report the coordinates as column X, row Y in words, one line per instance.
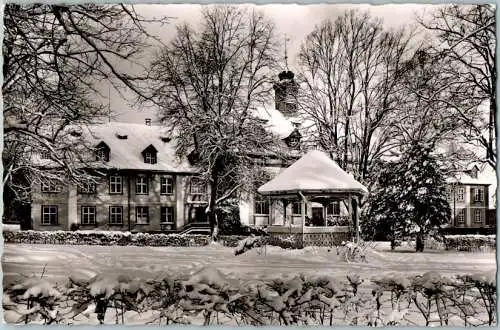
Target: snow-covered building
column 470, row 194
column 146, row 186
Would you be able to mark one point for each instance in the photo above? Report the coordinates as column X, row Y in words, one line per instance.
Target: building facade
column 146, row 186
column 469, row 198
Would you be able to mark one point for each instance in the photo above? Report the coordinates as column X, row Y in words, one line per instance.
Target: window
column 149, row 154
column 449, row 194
column 141, row 185
column 150, row 158
column 116, row 215
column 460, row 194
column 142, row 215
column 461, row 216
column 115, row 185
column 45, row 154
column 102, row 152
column 197, row 187
column 262, row 207
column 478, row 194
column 333, row 208
column 101, row 155
column 88, row 215
column 49, row 215
column 51, row 186
column 88, row 188
column 167, row 214
column 166, row 185
column 478, row 216
column 297, row 208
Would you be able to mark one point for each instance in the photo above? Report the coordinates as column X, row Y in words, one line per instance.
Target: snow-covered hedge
column 470, row 242
column 127, row 238
column 208, row 297
column 111, row 238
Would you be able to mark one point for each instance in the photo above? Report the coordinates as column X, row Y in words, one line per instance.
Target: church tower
column 285, row 94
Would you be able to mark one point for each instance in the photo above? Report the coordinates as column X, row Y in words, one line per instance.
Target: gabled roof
column 314, row 172
column 127, row 153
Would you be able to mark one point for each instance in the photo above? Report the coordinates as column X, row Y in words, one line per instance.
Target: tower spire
column 286, row 53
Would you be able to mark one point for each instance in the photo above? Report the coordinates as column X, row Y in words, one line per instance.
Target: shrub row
column 470, row 242
column 126, row 238
column 208, row 297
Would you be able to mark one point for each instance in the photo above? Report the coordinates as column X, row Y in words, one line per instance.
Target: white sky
column 296, row 21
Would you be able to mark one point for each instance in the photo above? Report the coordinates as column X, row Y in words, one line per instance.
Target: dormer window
column 150, row 154
column 45, row 154
column 293, row 140
column 102, row 152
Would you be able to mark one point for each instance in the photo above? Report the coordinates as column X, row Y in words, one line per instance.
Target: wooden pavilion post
column 349, row 208
column 303, row 215
column 357, row 219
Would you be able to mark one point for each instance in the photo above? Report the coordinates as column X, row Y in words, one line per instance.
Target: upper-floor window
column 51, row 186
column 461, row 194
column 262, row 206
column 87, row 188
column 102, row 152
column 45, row 154
column 142, row 215
column 141, row 185
column 150, row 155
column 115, row 184
column 449, row 194
column 49, row 214
column 166, row 185
column 150, row 158
column 197, row 187
column 478, row 194
column 478, row 216
column 88, row 215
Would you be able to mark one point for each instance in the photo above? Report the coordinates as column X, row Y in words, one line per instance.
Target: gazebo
column 327, row 197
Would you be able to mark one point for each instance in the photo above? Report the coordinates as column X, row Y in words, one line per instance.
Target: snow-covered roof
column 464, row 178
column 127, row 153
column 314, row 172
column 277, row 123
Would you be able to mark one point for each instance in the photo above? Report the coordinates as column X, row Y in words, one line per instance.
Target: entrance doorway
column 200, row 215
column 317, row 216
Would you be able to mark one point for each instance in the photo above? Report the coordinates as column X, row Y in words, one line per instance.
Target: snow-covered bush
column 210, row 293
column 210, row 297
column 33, row 300
column 470, row 242
column 109, row 290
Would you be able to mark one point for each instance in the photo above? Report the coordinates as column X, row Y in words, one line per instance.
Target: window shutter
column 472, row 195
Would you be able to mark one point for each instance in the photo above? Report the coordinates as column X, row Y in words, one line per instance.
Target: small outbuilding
column 325, row 197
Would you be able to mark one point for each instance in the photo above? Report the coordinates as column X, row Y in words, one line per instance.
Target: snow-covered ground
column 59, row 261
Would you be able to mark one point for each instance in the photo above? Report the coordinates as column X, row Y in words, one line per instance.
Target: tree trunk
column 212, row 210
column 420, row 242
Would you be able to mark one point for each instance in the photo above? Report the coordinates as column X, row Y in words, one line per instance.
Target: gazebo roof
column 315, row 172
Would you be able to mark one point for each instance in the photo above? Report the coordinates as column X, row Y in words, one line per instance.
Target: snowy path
column 60, row 261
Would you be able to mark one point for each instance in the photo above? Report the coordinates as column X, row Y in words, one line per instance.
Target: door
column 199, row 214
column 317, row 216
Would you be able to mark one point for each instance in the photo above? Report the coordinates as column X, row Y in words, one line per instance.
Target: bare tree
column 54, row 57
column 466, row 39
column 350, row 69
column 207, row 83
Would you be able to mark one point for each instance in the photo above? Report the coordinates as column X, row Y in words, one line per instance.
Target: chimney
column 148, row 121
